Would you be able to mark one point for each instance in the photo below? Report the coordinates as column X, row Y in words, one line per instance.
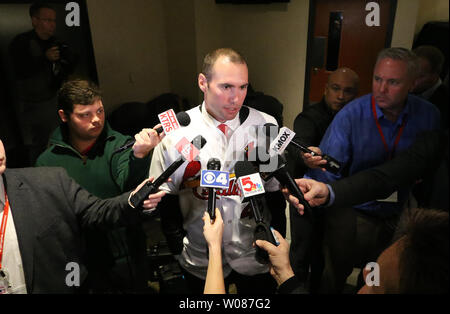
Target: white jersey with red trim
column 239, row 224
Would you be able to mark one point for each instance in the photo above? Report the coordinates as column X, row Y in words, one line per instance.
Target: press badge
column 393, row 198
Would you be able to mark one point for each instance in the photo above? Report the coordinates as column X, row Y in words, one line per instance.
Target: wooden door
column 340, row 37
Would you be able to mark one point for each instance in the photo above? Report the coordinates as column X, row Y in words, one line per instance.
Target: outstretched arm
column 213, row 234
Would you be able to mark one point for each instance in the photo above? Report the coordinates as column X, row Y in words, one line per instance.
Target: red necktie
column 224, row 128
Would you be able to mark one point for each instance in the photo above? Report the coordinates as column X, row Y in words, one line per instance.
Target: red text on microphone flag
column 169, row 121
column 187, row 149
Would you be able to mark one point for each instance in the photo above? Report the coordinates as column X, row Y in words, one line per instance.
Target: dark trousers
column 352, row 239
column 257, row 284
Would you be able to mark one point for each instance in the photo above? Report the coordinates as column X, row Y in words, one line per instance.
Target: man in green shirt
column 86, row 146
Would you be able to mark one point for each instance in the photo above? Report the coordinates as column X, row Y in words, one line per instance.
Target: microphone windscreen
column 213, row 164
column 243, row 168
column 269, row 126
column 183, row 118
column 199, row 141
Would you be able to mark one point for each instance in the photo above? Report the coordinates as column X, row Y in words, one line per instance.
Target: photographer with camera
column 41, row 63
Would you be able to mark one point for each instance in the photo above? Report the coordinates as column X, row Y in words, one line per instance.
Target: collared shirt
column 12, row 260
column 231, row 124
column 354, row 140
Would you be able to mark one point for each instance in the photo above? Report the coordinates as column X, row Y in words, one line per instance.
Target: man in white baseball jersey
column 229, row 128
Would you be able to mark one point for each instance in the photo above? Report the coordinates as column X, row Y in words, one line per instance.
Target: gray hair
column 402, row 54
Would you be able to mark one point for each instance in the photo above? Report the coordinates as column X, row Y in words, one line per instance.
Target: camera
column 63, row 50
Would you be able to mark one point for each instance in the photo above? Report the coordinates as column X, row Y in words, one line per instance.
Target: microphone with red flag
column 251, row 187
column 169, row 121
column 188, row 151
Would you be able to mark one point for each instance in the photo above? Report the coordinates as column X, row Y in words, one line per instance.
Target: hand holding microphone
column 315, row 192
column 280, row 267
column 146, row 140
column 287, row 137
column 169, row 122
column 188, row 152
column 153, row 199
column 280, row 171
column 212, row 178
column 251, row 187
column 314, row 159
column 326, row 162
column 213, row 164
column 283, row 176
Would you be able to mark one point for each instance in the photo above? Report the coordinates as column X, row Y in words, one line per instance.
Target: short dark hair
column 37, row 5
column 211, row 58
column 434, row 56
column 424, row 251
column 77, row 92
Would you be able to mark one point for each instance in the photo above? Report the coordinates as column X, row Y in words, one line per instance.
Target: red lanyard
column 3, row 227
column 399, row 134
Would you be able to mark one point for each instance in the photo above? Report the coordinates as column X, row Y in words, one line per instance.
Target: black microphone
column 213, row 164
column 332, row 164
column 262, row 230
column 182, row 117
column 151, row 187
column 284, row 177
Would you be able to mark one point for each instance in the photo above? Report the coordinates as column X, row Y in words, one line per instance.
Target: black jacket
column 422, row 159
column 309, row 127
column 440, row 99
column 36, row 79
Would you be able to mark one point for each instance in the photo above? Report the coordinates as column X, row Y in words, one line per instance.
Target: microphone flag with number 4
column 215, row 179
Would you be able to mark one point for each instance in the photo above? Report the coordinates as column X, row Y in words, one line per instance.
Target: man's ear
column 325, row 88
column 62, row 115
column 34, row 21
column 413, row 84
column 202, row 82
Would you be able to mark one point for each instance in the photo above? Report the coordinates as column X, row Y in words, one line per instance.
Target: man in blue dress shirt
column 367, row 132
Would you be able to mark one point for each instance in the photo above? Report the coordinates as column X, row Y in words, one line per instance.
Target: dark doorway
column 15, row 19
column 338, row 36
